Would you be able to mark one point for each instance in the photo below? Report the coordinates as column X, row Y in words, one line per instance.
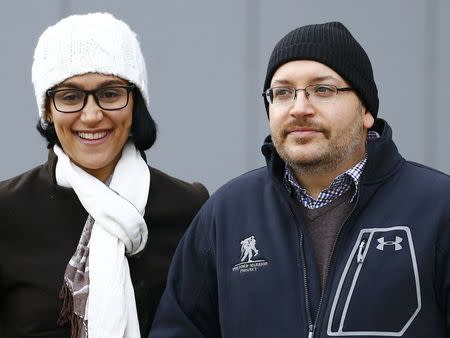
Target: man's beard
column 343, row 146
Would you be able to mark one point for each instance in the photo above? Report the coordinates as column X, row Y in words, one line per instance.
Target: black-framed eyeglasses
column 316, row 94
column 72, row 100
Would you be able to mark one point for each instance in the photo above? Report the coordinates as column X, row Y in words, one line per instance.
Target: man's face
column 324, row 136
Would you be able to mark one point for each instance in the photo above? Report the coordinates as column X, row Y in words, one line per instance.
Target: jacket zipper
column 356, row 262
column 305, row 286
column 312, row 324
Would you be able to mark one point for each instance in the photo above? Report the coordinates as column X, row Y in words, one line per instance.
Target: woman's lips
column 93, row 137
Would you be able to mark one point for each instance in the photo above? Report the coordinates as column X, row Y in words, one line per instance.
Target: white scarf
column 119, row 228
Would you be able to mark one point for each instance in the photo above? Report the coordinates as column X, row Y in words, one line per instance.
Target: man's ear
column 368, row 119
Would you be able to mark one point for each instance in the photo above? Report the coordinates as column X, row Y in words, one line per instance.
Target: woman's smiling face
column 93, row 138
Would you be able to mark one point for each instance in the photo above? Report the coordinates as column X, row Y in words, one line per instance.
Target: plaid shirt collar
column 340, row 185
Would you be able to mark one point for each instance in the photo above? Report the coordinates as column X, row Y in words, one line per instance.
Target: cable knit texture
column 79, row 44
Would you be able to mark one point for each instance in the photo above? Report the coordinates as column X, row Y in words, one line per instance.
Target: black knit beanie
column 333, row 45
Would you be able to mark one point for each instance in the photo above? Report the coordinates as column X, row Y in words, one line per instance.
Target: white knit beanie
column 79, row 44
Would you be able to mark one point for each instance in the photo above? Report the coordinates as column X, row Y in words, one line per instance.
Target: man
column 352, row 239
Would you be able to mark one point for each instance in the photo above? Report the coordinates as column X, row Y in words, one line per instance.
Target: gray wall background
column 207, row 61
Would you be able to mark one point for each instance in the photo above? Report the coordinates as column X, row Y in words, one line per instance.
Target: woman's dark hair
column 143, row 127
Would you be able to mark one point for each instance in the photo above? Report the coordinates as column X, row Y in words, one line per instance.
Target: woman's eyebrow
column 75, row 85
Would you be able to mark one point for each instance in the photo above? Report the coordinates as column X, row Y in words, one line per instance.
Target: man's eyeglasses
column 73, row 100
column 316, row 94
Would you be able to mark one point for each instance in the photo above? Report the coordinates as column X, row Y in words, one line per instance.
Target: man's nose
column 301, row 104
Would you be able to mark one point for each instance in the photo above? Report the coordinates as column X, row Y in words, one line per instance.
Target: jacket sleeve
column 443, row 275
column 188, row 307
column 2, row 291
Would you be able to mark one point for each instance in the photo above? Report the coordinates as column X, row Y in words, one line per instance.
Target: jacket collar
column 383, row 158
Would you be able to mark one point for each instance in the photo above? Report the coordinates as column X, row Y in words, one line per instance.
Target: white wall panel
column 21, row 22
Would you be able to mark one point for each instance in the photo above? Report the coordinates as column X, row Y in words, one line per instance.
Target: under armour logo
column 397, row 242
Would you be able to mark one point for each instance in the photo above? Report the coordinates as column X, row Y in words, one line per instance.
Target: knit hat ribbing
column 333, row 45
column 80, row 44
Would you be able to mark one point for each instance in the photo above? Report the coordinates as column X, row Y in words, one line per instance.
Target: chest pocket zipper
column 360, row 256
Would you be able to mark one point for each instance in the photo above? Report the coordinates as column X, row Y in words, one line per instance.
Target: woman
column 94, row 224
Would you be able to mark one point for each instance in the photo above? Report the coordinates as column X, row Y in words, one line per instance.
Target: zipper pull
column 311, row 331
column 359, row 257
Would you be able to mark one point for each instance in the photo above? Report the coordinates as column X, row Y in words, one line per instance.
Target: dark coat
column 40, row 226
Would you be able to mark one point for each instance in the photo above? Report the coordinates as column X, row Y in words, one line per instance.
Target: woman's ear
column 48, row 112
